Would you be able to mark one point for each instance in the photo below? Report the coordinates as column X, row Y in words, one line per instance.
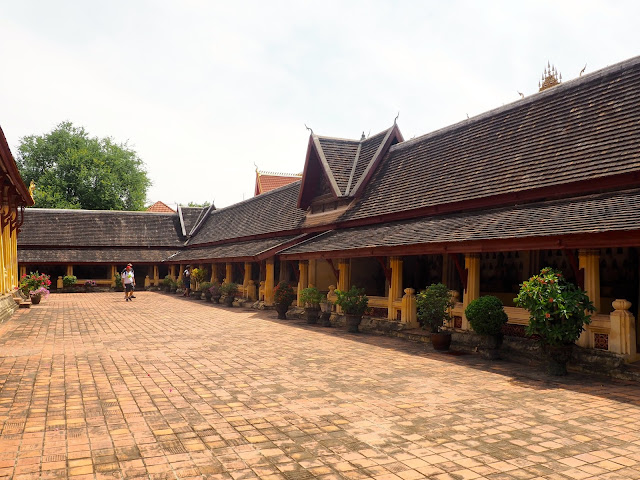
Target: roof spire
column 550, row 77
column 362, row 138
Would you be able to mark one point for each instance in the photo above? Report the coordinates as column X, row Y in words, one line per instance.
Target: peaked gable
column 342, row 167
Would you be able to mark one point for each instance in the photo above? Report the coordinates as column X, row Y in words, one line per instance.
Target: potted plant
column 558, row 311
column 34, row 281
column 69, row 282
column 311, row 298
column 204, row 288
column 214, row 291
column 487, row 317
column 90, row 285
column 38, row 294
column 283, row 297
column 353, row 303
column 173, row 286
column 166, row 283
column 197, row 275
column 229, row 292
column 433, row 305
column 117, row 283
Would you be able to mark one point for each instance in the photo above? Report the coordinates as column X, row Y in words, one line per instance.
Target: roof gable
column 267, row 181
column 342, row 164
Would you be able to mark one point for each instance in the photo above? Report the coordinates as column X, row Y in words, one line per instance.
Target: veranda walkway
column 165, row 387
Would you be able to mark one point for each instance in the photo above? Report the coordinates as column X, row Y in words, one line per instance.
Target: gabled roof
column 48, row 227
column 581, row 135
column 160, row 207
column 344, row 165
column 563, row 223
column 10, row 169
column 273, row 212
column 267, row 181
column 191, row 218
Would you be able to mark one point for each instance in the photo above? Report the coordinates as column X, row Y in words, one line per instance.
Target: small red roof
column 160, row 207
column 267, row 181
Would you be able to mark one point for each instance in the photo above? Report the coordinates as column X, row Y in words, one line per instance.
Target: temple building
column 267, row 181
column 15, row 197
column 552, row 179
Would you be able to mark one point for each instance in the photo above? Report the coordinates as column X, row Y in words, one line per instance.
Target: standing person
column 186, row 279
column 129, row 281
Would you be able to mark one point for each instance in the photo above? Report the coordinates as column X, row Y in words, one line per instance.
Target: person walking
column 129, row 281
column 186, row 279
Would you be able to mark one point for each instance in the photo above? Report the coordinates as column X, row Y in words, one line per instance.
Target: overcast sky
column 203, row 90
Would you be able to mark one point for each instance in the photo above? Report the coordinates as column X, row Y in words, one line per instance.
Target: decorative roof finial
column 362, row 138
column 311, row 130
column 550, row 78
column 583, row 69
column 396, row 119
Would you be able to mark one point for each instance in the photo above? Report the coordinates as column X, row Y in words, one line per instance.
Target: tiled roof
column 190, row 218
column 266, row 182
column 271, row 212
column 160, row 207
column 583, row 129
column 10, row 171
column 248, row 249
column 94, row 255
column 349, row 159
column 605, row 212
column 93, row 228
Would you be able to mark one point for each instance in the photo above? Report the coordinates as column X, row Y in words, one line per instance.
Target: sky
column 204, row 91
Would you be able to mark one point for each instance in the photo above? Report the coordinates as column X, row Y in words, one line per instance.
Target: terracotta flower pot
column 312, row 315
column 353, row 322
column 282, row 311
column 441, row 341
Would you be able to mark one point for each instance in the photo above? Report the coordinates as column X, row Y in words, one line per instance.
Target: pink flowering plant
column 33, row 281
column 43, row 292
column 558, row 309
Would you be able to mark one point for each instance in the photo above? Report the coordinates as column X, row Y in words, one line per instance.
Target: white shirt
column 127, row 277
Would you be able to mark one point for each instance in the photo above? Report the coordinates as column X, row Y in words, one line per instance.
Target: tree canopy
column 73, row 170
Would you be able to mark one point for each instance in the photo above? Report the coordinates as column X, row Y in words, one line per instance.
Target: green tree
column 200, row 205
column 73, row 170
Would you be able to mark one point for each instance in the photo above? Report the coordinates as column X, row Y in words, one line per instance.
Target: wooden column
column 269, row 283
column 312, row 282
column 395, row 286
column 172, row 272
column 156, row 276
column 246, row 279
column 114, row 272
column 302, row 279
column 23, row 270
column 589, row 260
column 472, row 267
column 69, row 270
column 344, row 269
column 228, row 278
column 214, row 273
column 180, row 272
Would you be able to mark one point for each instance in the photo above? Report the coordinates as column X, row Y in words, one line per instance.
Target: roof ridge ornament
column 308, row 128
column 550, row 77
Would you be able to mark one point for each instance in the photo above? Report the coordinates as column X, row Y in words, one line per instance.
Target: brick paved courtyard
column 165, row 387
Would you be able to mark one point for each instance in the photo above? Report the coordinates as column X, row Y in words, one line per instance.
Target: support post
column 228, row 272
column 172, row 272
column 395, row 286
column 269, row 283
column 156, row 276
column 302, row 279
column 181, row 272
column 114, row 272
column 589, row 263
column 312, row 282
column 409, row 315
column 69, row 270
column 472, row 291
column 246, row 279
column 214, row 273
column 622, row 337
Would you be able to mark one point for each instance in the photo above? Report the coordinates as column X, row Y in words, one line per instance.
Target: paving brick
column 165, row 387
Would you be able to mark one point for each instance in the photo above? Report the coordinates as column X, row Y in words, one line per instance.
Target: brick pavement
column 165, row 387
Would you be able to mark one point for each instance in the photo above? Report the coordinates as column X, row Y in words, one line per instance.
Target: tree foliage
column 73, row 170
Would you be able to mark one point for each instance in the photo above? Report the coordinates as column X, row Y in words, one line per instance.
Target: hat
column 129, row 265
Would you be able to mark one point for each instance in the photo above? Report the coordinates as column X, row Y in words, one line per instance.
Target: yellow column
column 23, row 270
column 409, row 309
column 69, row 270
column 114, row 271
column 269, row 282
column 3, row 265
column 172, row 272
column 344, row 269
column 395, row 286
column 312, row 273
column 156, row 275
column 472, row 265
column 590, row 261
column 214, row 273
column 229, row 273
column 622, row 337
column 246, row 279
column 180, row 272
column 302, row 279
